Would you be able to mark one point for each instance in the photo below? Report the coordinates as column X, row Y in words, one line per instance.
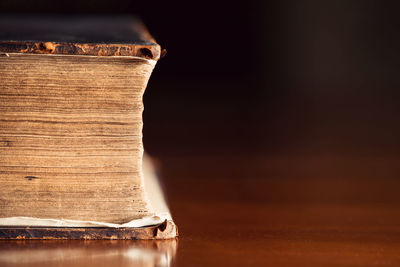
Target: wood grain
column 71, row 136
column 284, row 211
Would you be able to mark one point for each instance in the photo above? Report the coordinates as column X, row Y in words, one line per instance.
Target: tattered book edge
column 164, row 230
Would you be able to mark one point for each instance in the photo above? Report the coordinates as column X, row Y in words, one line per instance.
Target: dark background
column 267, row 77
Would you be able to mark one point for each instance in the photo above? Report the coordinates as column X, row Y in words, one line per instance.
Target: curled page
column 28, row 221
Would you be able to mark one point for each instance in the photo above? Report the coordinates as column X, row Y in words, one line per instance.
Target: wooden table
column 241, row 210
column 329, row 211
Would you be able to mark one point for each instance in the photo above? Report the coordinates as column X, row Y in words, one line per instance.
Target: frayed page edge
column 137, row 223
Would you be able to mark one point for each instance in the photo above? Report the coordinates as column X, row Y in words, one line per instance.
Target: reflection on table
column 88, row 253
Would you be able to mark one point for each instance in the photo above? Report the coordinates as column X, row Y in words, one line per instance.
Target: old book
column 71, row 152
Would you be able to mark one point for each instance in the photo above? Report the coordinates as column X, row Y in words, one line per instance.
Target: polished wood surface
column 287, row 211
column 255, row 210
column 86, row 253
